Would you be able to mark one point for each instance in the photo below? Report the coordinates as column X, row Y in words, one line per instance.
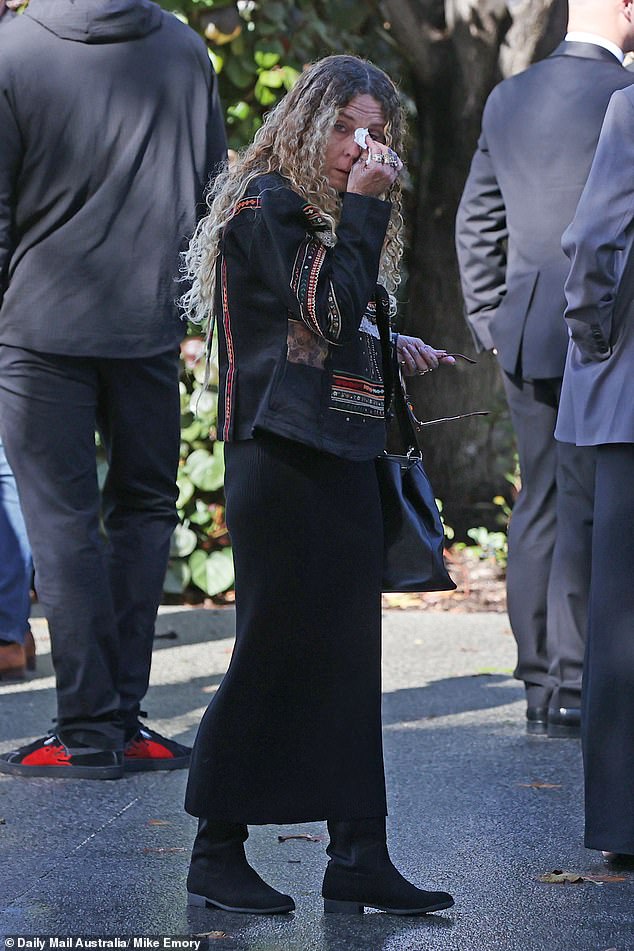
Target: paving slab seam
column 73, row 851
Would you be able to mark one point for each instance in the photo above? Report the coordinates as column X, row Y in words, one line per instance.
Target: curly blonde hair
column 292, row 141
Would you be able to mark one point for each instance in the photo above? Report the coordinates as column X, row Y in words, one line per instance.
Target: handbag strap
column 395, row 395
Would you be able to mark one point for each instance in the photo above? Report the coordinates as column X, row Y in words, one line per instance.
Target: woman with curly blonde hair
column 298, row 259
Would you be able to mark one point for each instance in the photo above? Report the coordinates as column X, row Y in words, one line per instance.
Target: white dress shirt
column 576, row 36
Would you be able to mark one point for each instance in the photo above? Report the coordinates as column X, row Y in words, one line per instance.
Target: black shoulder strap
column 395, row 396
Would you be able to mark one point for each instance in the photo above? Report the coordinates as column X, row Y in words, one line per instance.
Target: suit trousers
column 607, row 723
column 100, row 594
column 550, row 539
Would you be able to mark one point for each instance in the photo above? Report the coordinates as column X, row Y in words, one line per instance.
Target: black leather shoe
column 537, row 720
column 564, row 722
column 619, row 859
column 220, row 876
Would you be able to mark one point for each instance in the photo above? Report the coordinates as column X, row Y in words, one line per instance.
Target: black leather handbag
column 413, row 535
column 414, row 538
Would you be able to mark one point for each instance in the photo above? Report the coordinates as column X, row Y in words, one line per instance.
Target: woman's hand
column 417, row 357
column 375, row 171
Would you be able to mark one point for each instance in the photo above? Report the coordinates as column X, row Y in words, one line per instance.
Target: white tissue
column 359, row 137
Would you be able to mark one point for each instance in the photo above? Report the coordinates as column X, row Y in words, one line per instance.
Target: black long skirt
column 294, row 732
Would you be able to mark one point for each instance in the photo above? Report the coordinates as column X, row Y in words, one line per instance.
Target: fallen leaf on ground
column 606, row 877
column 213, row 935
column 400, row 600
column 493, row 672
column 538, row 784
column 158, row 822
column 559, row 877
column 304, row 836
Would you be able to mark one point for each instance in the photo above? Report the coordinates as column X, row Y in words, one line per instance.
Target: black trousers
column 550, row 541
column 607, row 726
column 100, row 598
column 294, row 732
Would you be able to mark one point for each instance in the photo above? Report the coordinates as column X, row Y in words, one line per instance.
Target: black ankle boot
column 220, row 876
column 360, row 873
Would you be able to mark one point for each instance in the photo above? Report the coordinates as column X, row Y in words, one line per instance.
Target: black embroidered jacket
column 299, row 348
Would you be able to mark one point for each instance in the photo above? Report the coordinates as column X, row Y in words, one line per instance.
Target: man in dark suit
column 111, row 127
column 539, row 134
column 597, row 409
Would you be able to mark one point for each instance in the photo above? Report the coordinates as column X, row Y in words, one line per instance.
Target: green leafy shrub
column 259, row 47
column 494, row 544
column 200, row 556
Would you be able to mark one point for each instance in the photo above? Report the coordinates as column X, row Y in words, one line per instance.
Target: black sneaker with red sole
column 48, row 756
column 148, row 750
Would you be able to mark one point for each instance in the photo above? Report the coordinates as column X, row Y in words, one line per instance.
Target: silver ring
column 378, row 157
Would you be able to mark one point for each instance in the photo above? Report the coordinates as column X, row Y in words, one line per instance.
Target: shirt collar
column 578, row 37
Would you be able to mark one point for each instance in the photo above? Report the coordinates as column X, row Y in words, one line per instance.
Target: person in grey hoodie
column 111, row 128
column 17, row 647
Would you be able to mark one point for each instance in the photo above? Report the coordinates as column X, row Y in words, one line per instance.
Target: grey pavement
column 476, row 807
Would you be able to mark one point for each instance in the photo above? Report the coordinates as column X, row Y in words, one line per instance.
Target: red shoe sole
column 62, row 772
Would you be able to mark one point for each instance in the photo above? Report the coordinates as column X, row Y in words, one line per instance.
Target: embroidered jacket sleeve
column 10, row 159
column 601, row 236
column 328, row 288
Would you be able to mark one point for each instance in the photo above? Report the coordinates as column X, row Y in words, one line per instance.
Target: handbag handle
column 395, row 394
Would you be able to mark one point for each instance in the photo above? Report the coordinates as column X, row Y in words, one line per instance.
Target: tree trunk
column 457, row 51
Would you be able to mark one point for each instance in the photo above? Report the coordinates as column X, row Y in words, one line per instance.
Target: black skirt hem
column 338, row 815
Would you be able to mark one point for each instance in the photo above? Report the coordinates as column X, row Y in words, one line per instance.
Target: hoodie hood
column 96, row 21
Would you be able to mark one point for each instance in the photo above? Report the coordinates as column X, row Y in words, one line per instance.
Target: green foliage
column 200, row 556
column 492, row 544
column 259, row 47
column 489, row 544
column 449, row 532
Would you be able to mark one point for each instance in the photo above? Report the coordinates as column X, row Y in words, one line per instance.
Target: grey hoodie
column 110, row 127
column 96, row 21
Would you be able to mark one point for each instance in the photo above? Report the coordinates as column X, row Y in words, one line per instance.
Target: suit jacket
column 110, row 126
column 539, row 133
column 597, row 402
